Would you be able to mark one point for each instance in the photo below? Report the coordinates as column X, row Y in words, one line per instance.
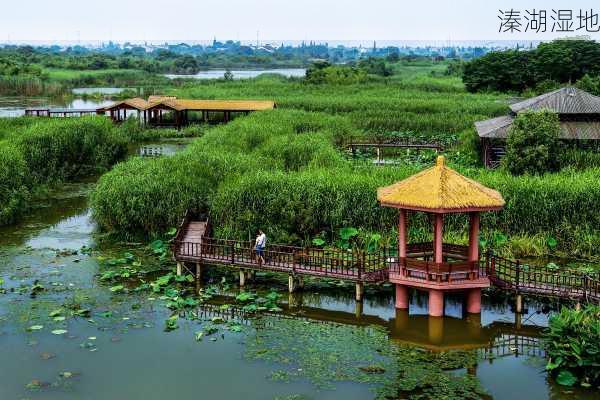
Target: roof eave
column 442, row 210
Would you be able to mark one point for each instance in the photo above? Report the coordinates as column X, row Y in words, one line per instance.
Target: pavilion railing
column 445, row 272
column 425, row 249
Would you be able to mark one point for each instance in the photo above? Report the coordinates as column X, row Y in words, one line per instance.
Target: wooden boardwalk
column 193, row 245
column 543, row 281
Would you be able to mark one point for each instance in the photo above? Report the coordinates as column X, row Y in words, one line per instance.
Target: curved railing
column 445, row 272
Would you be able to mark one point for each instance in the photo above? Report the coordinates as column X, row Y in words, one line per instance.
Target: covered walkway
column 173, row 112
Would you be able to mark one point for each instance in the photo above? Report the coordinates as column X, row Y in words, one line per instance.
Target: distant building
column 578, row 112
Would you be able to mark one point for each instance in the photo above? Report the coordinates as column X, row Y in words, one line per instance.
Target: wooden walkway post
column 242, row 278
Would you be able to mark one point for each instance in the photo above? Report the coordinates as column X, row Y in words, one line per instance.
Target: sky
column 320, row 20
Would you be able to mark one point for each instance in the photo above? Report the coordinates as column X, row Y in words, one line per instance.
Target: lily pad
column 566, row 378
column 117, row 288
column 59, row 331
column 47, row 355
column 35, row 327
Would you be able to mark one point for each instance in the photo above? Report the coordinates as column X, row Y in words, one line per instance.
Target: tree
column 532, row 143
column 374, row 66
column 228, row 75
column 589, row 84
column 562, row 61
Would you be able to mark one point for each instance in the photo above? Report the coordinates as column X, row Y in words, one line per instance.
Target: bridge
column 192, row 247
column 435, row 267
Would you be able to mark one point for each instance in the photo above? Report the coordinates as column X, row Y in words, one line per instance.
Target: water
column 163, row 147
column 14, row 106
column 127, row 355
column 243, row 74
column 98, row 90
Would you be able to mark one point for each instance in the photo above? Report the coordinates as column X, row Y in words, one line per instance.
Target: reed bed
column 38, row 152
column 280, row 170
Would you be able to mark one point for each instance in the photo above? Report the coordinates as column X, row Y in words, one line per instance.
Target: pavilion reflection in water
column 494, row 340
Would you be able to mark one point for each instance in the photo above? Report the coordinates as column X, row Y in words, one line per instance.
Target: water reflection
column 163, row 147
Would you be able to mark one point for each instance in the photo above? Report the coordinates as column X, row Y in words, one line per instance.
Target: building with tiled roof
column 578, row 112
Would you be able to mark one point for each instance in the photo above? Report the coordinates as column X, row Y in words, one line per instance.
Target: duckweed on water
column 328, row 353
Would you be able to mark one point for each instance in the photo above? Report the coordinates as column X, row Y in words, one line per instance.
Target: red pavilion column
column 436, row 297
column 401, row 297
column 474, row 295
column 474, row 236
column 436, row 303
column 438, row 238
column 401, row 290
column 402, row 234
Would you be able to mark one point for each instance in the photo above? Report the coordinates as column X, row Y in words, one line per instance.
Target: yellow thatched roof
column 213, row 105
column 440, row 189
column 154, row 98
column 136, row 102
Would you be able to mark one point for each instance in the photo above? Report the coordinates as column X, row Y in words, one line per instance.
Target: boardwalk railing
column 362, row 266
column 540, row 280
column 514, row 345
column 344, row 264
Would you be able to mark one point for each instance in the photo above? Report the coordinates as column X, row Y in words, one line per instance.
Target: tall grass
column 44, row 151
column 402, row 104
column 279, row 170
column 29, row 86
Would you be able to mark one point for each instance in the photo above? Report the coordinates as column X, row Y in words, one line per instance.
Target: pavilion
column 578, row 112
column 439, row 267
column 171, row 111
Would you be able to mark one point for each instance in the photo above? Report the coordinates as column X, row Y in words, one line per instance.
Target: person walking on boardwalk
column 261, row 241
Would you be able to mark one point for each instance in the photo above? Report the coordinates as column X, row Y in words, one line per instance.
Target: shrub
column 280, row 171
column 589, row 84
column 56, row 149
column 532, row 143
column 572, row 343
column 36, row 152
column 579, row 158
column 147, row 196
column 14, row 191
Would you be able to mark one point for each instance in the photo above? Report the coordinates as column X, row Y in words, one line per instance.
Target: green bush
column 35, row 152
column 572, row 343
column 59, row 149
column 147, row 196
column 14, row 184
column 532, row 144
column 579, row 158
column 293, row 206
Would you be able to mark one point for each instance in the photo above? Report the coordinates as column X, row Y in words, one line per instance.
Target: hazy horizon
column 273, row 21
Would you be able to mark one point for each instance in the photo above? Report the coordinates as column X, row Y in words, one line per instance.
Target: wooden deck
column 193, row 245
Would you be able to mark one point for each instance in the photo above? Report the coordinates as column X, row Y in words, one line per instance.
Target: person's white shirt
column 261, row 240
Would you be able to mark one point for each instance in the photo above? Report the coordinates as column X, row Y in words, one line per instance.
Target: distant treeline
column 186, row 59
column 547, row 66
